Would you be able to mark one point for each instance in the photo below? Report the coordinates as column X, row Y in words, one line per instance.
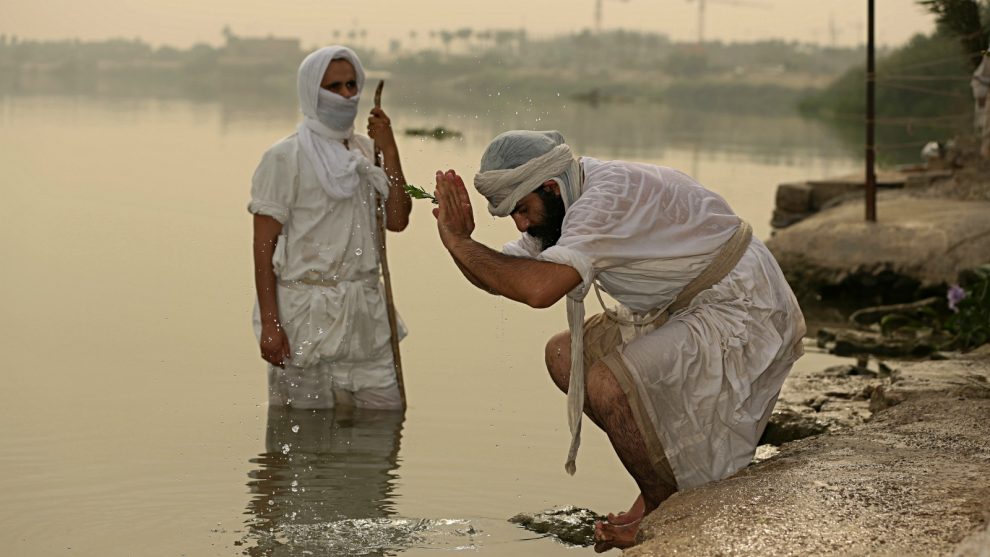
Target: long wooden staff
column 393, row 322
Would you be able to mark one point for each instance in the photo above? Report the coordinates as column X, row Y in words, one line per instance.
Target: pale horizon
column 183, row 23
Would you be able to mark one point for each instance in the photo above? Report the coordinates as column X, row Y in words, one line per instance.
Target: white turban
column 517, row 162
column 339, row 170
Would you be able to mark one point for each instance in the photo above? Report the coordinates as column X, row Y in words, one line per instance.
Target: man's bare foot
column 635, row 513
column 608, row 536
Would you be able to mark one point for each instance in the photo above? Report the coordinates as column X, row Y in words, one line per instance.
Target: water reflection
column 325, row 477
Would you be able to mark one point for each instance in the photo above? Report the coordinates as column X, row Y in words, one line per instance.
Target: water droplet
column 358, row 251
column 285, row 448
column 295, row 429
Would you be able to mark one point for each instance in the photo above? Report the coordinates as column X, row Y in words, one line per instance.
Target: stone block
column 794, row 197
column 783, row 219
column 824, row 191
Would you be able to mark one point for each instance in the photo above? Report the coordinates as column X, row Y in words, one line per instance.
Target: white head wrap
column 517, row 162
column 328, row 120
column 514, row 164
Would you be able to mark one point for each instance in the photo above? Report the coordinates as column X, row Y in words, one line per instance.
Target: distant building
column 259, row 52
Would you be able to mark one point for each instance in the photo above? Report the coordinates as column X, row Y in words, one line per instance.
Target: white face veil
column 328, row 121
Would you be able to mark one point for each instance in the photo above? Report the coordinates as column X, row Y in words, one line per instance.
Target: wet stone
column 571, row 525
column 843, row 342
column 847, row 370
column 787, row 425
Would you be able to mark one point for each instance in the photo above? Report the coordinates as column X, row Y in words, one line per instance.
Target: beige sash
column 370, row 281
column 725, row 260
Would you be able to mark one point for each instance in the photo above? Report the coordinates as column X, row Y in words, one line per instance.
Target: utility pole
column 871, row 177
column 701, row 22
column 598, row 17
column 832, row 31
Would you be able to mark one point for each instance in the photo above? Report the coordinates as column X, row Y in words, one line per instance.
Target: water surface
column 134, row 396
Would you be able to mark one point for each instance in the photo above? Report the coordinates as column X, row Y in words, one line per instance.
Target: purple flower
column 955, row 295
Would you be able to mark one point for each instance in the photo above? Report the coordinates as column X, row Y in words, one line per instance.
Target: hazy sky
column 184, row 22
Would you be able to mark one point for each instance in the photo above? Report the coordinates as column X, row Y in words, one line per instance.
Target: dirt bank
column 911, row 478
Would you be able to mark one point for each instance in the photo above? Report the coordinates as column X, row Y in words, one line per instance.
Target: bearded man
column 682, row 376
column 321, row 316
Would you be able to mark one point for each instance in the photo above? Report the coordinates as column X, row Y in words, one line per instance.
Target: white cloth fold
column 338, row 322
column 339, row 170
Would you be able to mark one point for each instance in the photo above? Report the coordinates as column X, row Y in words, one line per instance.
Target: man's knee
column 558, row 358
column 605, row 395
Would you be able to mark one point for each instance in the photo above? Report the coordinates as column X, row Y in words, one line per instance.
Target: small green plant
column 961, row 322
column 419, row 193
column 970, row 303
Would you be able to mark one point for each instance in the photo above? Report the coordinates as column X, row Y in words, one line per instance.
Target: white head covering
column 339, row 170
column 514, row 164
column 517, row 162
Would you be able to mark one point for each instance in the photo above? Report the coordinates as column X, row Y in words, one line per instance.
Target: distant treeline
column 613, row 66
column 922, row 93
column 923, row 88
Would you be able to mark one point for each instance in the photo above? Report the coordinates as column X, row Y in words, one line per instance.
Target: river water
column 134, row 408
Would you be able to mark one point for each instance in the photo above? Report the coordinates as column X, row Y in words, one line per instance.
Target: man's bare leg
column 606, row 405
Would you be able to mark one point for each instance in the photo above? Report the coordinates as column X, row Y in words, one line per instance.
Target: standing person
column 980, row 83
column 684, row 374
column 321, row 316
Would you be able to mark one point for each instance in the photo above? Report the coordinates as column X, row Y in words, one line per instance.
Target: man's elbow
column 541, row 299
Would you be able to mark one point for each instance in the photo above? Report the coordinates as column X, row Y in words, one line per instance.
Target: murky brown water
column 133, row 396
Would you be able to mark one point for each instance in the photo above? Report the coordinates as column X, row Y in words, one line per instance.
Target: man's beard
column 548, row 232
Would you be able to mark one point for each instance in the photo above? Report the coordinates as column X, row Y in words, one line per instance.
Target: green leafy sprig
column 419, row 193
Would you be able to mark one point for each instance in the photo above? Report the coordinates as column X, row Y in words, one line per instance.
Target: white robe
column 330, row 240
column 711, row 374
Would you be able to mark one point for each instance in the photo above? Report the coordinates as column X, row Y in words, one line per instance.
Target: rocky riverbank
column 905, row 469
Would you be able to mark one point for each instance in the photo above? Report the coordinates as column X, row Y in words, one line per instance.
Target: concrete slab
column 928, row 239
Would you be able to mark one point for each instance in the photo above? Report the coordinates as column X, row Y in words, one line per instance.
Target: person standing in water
column 321, row 317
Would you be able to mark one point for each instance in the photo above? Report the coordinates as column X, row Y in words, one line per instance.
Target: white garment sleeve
column 643, row 231
column 572, row 258
column 525, row 246
column 273, row 184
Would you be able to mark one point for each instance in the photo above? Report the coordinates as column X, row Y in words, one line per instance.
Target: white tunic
column 334, row 241
column 711, row 374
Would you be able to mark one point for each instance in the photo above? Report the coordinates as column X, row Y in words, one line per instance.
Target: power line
column 928, row 121
column 916, row 119
column 883, row 77
column 925, row 90
column 940, row 60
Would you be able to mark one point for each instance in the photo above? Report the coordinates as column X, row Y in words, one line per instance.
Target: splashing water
column 372, row 536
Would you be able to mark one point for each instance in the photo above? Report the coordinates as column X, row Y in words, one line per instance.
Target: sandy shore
column 910, row 474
